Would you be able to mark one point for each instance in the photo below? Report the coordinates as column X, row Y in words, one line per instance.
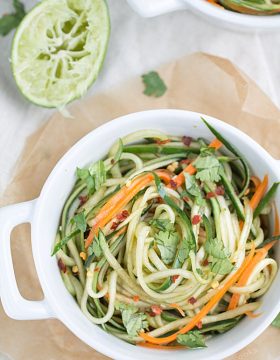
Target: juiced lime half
column 59, row 48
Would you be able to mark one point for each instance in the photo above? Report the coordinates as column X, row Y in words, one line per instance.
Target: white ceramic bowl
column 44, row 212
column 214, row 14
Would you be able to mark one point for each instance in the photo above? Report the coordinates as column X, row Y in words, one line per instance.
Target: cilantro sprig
column 154, row 85
column 133, row 320
column 8, row 22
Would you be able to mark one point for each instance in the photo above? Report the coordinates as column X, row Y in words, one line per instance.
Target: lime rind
column 59, row 48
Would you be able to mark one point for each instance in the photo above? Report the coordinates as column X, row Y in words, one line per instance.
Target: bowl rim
column 249, row 21
column 59, row 311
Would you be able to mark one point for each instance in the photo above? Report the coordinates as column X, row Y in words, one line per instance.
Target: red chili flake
column 205, row 262
column 174, row 278
column 220, row 190
column 114, row 225
column 162, row 142
column 136, row 298
column 173, row 184
column 196, row 219
column 186, row 199
column 186, row 161
column 192, row 300
column 210, row 194
column 61, row 265
column 156, row 310
column 112, row 161
column 159, row 200
column 83, row 199
column 187, row 140
column 96, row 269
column 123, row 215
column 199, row 325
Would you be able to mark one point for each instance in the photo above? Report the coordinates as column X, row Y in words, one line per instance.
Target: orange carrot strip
column 256, row 181
column 216, row 144
column 120, row 200
column 260, row 191
column 276, row 231
column 160, row 347
column 205, row 310
column 190, row 169
column 260, row 255
column 180, row 179
column 178, row 307
column 251, row 315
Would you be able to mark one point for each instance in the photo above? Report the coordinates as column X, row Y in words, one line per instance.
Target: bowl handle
column 13, row 303
column 150, row 8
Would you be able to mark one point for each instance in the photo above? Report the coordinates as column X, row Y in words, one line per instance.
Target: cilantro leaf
column 208, row 168
column 85, row 176
column 276, row 321
column 220, row 264
column 133, row 321
column 193, row 188
column 79, row 221
column 184, row 250
column 11, row 21
column 98, row 172
column 221, row 267
column 162, row 224
column 193, row 339
column 95, row 248
column 166, row 239
column 214, row 247
column 64, row 241
column 154, row 85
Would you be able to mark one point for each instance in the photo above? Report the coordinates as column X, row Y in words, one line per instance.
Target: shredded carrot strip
column 205, row 310
column 120, row 200
column 276, row 231
column 256, row 181
column 260, row 191
column 190, row 169
column 178, row 307
column 251, row 315
column 216, row 144
column 260, row 255
column 160, row 347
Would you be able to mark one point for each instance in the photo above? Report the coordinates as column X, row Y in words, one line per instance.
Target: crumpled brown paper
column 199, row 82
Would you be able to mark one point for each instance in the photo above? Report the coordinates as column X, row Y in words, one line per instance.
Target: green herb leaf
column 162, row 224
column 167, row 242
column 276, row 321
column 98, row 172
column 11, row 21
column 220, row 263
column 85, row 176
column 95, row 247
column 79, row 221
column 184, row 250
column 208, row 168
column 193, row 188
column 154, row 85
column 64, row 241
column 193, row 340
column 133, row 321
column 179, row 211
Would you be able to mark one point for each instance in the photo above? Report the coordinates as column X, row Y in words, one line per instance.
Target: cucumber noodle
column 155, row 264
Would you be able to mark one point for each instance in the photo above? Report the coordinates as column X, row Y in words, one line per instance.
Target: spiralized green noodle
column 169, row 249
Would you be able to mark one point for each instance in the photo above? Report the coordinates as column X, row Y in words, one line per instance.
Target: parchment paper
column 199, row 82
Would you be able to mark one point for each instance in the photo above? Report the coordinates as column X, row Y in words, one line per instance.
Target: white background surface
column 136, row 45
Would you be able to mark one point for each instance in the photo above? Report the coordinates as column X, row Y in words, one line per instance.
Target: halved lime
column 58, row 50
